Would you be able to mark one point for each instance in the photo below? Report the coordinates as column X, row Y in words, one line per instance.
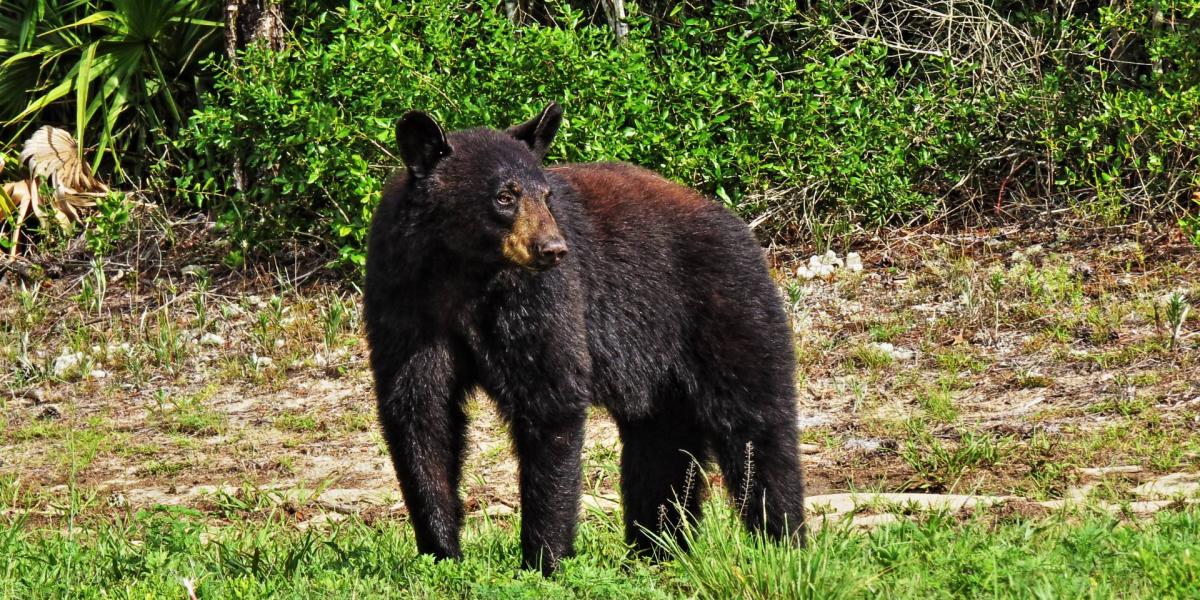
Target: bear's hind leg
column 660, row 473
column 762, row 473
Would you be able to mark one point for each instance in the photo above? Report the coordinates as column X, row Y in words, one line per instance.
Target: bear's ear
column 538, row 132
column 422, row 142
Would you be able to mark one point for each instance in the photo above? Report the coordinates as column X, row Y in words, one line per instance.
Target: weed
column 938, row 405
column 163, row 468
column 93, row 288
column 353, row 422
column 955, row 360
column 939, row 465
column 166, row 342
column 200, row 299
column 296, row 422
column 1177, row 311
column 871, row 357
column 886, row 332
column 188, row 414
column 1026, row 380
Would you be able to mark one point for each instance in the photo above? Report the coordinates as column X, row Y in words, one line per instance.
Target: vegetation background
column 807, row 119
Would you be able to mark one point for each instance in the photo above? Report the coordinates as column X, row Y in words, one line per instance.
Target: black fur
column 662, row 311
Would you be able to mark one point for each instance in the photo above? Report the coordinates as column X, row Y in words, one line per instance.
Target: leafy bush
column 784, row 116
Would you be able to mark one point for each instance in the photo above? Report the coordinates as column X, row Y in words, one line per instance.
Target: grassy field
column 1014, row 411
column 159, row 553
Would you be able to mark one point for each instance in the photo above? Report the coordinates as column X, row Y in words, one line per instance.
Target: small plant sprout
column 996, row 286
column 1177, row 312
column 93, row 287
column 333, row 319
column 200, row 301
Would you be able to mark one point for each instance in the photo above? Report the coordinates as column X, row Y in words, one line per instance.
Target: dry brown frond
column 52, row 153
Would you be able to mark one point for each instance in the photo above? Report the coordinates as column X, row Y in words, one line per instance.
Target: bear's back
column 671, row 275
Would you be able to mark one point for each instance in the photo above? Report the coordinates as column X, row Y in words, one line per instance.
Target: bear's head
column 485, row 187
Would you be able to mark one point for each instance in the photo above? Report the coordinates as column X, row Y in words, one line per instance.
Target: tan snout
column 535, row 242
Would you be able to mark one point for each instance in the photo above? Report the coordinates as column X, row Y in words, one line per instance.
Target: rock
column 321, row 520
column 831, row 258
column 809, row 448
column 67, row 363
column 1175, row 484
column 211, row 339
column 1102, row 471
column 598, row 503
column 50, row 413
column 194, row 271
column 808, row 422
column 262, row 362
column 97, row 374
column 866, row 445
column 854, row 262
column 872, row 521
column 900, row 354
column 498, row 510
column 1030, row 252
column 824, row 266
column 846, row 503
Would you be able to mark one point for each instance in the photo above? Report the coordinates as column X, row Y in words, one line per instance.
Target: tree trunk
column 249, row 22
column 253, row 21
column 614, row 10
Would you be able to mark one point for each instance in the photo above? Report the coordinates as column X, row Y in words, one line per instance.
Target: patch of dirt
column 1013, row 358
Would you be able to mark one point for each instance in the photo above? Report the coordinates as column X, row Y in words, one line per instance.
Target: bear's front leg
column 421, row 411
column 549, row 450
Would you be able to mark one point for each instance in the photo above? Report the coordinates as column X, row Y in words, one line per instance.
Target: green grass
column 296, row 422
column 938, row 405
column 149, row 555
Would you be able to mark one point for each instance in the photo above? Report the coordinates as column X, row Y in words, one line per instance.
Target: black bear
column 553, row 289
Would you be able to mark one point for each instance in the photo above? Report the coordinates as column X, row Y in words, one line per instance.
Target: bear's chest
column 531, row 329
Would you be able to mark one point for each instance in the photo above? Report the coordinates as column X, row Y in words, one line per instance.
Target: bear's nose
column 552, row 250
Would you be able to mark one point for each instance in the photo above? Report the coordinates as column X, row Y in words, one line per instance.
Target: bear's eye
column 506, row 199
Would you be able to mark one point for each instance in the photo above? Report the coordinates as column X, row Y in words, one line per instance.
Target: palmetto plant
column 122, row 71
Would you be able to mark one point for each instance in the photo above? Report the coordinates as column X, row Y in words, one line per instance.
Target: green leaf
column 83, row 82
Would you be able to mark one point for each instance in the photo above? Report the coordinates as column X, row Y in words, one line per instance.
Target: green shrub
column 787, row 117
column 710, row 103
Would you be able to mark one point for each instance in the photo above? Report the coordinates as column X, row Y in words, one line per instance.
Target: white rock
column 805, row 273
column 863, row 444
column 894, row 352
column 808, row 422
column 854, row 262
column 212, row 339
column 1028, row 253
column 67, row 362
column 261, row 362
column 98, row 374
column 831, row 258
column 588, row 502
column 498, row 510
column 1175, row 484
